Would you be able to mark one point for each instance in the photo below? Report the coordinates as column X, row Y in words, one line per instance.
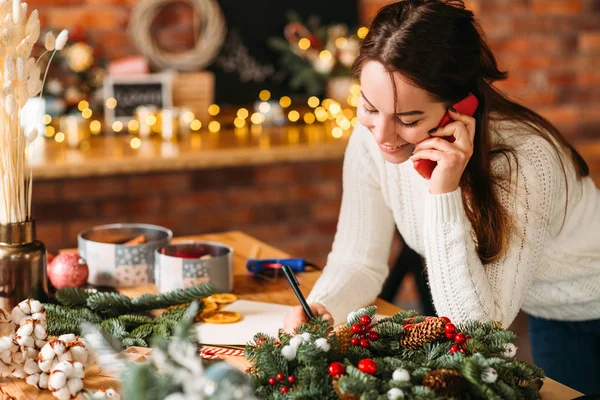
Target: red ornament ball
column 357, row 329
column 445, row 319
column 355, row 341
column 291, row 379
column 450, row 328
column 364, row 343
column 280, row 377
column 67, row 269
column 367, row 366
column 373, row 336
column 365, row 320
column 285, row 389
column 272, row 381
column 450, row 335
column 336, row 369
column 460, row 338
column 453, row 348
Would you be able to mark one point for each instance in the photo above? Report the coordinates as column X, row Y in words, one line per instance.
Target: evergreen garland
column 312, row 364
column 121, row 317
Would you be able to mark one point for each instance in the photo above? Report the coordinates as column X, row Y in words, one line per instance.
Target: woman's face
column 396, row 130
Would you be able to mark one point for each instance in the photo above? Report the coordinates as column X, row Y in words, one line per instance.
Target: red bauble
column 280, row 377
column 454, row 348
column 450, row 335
column 272, row 381
column 355, row 341
column 336, row 369
column 291, row 379
column 67, row 269
column 365, row 320
column 460, row 338
column 367, row 366
column 373, row 336
column 445, row 319
column 364, row 343
column 285, row 389
column 450, row 328
column 357, row 329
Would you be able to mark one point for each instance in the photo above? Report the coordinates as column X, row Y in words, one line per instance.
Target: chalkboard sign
column 132, row 92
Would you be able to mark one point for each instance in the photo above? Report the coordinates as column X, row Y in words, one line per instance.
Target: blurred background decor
column 318, row 58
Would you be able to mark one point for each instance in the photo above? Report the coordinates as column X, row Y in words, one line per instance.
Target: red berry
column 368, row 328
column 367, row 366
column 336, row 369
column 462, row 349
column 373, row 336
column 260, row 341
column 460, row 338
column 272, row 381
column 291, row 379
column 450, row 328
column 357, row 329
column 285, row 389
column 450, row 335
column 445, row 319
column 365, row 320
column 355, row 341
column 276, row 343
column 280, row 376
column 364, row 343
column 453, row 348
column 469, row 337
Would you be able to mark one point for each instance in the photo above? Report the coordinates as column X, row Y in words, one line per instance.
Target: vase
column 338, row 89
column 22, row 265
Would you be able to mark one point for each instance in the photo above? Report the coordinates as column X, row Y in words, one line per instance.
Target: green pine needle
column 72, row 297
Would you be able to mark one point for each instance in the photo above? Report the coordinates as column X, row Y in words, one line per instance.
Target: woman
column 509, row 219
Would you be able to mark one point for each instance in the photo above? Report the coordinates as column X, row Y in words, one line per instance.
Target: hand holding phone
column 466, row 106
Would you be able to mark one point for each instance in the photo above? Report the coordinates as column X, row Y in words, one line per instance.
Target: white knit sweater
column 550, row 270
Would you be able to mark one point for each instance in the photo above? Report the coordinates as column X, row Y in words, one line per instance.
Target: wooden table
column 249, row 288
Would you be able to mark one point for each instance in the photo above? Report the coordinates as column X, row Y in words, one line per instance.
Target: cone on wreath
column 447, row 382
column 344, row 335
column 342, row 396
column 429, row 331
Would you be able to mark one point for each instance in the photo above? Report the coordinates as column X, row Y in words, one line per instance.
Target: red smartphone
column 466, row 106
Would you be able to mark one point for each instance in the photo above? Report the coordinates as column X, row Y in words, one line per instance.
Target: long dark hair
column 439, row 46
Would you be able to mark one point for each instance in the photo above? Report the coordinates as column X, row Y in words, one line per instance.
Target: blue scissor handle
column 257, row 265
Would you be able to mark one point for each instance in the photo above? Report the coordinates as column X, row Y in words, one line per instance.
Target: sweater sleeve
column 462, row 287
column 358, row 262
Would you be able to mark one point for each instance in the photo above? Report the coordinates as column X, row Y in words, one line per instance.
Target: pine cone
column 344, row 335
column 343, row 396
column 427, row 331
column 446, row 382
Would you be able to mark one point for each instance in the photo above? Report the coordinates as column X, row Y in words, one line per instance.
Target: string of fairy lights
column 337, row 117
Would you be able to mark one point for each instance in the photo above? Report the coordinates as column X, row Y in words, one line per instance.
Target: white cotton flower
column 62, row 393
column 395, row 394
column 112, row 394
column 61, row 39
column 31, row 367
column 401, row 375
column 43, row 383
column 18, row 371
column 306, row 336
column 50, row 41
column 296, row 341
column 489, row 375
column 322, row 344
column 27, row 309
column 33, row 379
column 289, row 352
column 510, row 350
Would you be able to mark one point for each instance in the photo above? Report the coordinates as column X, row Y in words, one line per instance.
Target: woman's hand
column 451, row 158
column 296, row 316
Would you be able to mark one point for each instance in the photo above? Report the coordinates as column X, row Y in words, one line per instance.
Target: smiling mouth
column 391, row 147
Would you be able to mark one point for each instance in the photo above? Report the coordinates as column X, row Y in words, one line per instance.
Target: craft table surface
column 249, row 288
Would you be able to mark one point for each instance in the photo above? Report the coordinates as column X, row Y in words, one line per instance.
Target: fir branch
column 109, row 304
column 355, row 318
column 115, row 328
column 174, row 298
column 132, row 341
column 58, row 312
column 131, row 321
column 57, row 327
column 142, row 331
column 72, row 297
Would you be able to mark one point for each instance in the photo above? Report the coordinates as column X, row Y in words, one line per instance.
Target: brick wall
column 291, row 206
column 551, row 49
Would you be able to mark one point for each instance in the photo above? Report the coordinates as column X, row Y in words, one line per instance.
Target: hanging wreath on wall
column 210, row 38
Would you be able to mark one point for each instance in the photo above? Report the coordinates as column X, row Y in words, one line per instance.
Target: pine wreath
column 404, row 356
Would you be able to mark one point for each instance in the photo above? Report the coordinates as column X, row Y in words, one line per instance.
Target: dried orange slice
column 221, row 317
column 209, row 305
column 222, row 298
